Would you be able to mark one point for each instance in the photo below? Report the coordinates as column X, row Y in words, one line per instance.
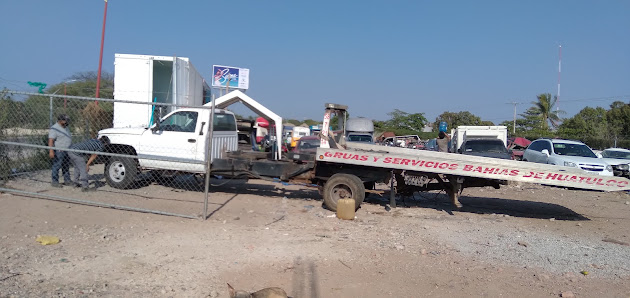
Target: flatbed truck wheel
column 343, row 186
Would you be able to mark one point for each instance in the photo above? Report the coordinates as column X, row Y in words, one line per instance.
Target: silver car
column 566, row 153
column 619, row 159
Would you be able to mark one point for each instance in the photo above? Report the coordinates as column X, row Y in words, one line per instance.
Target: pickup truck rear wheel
column 121, row 172
column 343, row 186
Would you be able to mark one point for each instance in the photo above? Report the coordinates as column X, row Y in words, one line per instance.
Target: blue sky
column 375, row 56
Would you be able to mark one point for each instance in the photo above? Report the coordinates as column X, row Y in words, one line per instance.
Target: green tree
column 82, row 84
column 404, row 123
column 544, row 109
column 589, row 122
column 10, row 111
column 530, row 121
column 453, row 120
column 293, row 121
column 311, row 122
column 619, row 120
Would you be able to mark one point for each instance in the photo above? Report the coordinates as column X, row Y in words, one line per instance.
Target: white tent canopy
column 236, row 96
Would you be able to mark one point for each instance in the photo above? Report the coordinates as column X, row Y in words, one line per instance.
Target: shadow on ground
column 239, row 186
column 437, row 201
column 482, row 205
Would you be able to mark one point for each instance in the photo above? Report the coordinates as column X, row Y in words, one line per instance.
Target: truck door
column 176, row 138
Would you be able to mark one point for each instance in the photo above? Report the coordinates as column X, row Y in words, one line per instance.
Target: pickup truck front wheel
column 121, row 172
column 343, row 186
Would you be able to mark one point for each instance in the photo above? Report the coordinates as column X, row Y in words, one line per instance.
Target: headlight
column 623, row 167
column 609, row 168
column 569, row 164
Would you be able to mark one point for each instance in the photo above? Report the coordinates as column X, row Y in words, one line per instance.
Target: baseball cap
column 63, row 117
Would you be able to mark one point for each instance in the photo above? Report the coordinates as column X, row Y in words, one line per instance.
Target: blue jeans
column 61, row 162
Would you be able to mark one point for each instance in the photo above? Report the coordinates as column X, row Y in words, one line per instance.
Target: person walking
column 81, row 167
column 59, row 137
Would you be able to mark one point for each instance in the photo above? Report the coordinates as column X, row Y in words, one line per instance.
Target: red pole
column 100, row 58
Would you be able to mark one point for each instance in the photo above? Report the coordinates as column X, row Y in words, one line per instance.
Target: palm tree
column 544, row 109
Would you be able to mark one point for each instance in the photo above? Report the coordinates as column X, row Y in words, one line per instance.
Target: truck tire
column 121, row 172
column 343, row 186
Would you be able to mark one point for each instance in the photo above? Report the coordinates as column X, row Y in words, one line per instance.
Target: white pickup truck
column 179, row 138
column 178, row 143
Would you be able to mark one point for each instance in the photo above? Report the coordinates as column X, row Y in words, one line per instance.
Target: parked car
column 431, row 144
column 401, row 141
column 517, row 147
column 485, row 147
column 305, row 149
column 566, row 153
column 619, row 159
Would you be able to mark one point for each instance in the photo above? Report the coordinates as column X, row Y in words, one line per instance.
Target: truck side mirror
column 155, row 127
column 545, row 152
column 599, row 155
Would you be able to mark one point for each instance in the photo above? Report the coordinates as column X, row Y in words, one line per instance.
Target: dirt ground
column 523, row 240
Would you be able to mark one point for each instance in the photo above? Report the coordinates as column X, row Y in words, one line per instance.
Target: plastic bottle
column 443, row 126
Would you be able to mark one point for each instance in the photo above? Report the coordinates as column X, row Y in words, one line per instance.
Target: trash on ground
column 47, row 240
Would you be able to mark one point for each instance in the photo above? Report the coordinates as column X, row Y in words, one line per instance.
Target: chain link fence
column 76, row 149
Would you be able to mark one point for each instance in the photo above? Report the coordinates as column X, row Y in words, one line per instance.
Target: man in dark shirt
column 81, row 168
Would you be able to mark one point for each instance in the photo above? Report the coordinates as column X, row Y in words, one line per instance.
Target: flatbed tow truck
column 348, row 169
column 340, row 169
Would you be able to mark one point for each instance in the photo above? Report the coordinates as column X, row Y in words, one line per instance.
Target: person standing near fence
column 81, row 167
column 59, row 137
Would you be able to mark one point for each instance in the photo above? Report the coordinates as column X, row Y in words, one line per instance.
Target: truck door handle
column 191, row 140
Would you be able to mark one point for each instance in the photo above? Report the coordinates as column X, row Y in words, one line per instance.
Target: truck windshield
column 573, row 150
column 360, row 138
column 180, row 121
column 484, row 146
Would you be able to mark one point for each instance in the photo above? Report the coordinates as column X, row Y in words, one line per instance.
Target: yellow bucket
column 345, row 208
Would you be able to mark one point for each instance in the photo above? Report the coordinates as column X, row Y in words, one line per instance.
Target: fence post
column 51, row 112
column 208, row 150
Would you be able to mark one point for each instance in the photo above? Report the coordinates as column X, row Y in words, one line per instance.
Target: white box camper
column 148, row 78
column 461, row 133
column 360, row 130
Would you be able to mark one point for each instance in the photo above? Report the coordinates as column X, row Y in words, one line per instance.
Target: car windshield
column 360, row 138
column 309, row 144
column 573, row 150
column 485, row 146
column 616, row 154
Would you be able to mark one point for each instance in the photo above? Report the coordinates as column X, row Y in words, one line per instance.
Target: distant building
column 427, row 128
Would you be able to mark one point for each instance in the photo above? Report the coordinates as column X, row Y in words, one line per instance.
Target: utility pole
column 514, row 122
column 100, row 59
column 559, row 72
